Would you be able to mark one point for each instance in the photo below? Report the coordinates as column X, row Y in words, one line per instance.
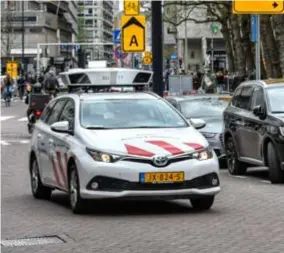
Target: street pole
column 23, row 37
column 185, row 48
column 257, row 50
column 157, row 47
column 212, row 51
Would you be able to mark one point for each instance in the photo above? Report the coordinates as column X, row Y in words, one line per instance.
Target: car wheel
column 77, row 204
column 235, row 167
column 202, row 203
column 38, row 189
column 276, row 174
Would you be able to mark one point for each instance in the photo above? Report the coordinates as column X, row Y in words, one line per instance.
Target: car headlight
column 282, row 130
column 103, row 157
column 208, row 135
column 203, row 154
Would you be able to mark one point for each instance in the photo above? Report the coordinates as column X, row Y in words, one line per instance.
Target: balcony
column 108, row 4
column 53, row 5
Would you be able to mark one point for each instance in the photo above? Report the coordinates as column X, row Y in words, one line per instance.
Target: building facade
column 44, row 22
column 96, row 21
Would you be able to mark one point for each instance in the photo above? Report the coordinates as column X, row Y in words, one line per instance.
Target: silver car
column 210, row 109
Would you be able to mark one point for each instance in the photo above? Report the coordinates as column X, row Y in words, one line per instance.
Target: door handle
column 39, row 136
column 239, row 122
column 51, row 142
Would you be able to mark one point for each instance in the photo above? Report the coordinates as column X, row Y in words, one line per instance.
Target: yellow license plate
column 162, row 177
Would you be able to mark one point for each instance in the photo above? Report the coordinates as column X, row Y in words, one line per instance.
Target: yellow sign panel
column 131, row 7
column 12, row 69
column 147, row 60
column 133, row 34
column 258, row 7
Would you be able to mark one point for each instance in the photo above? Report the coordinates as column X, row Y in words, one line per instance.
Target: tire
column 276, row 174
column 223, row 163
column 235, row 167
column 77, row 204
column 39, row 191
column 202, row 203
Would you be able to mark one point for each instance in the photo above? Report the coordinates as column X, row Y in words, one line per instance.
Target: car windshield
column 203, row 108
column 275, row 98
column 129, row 113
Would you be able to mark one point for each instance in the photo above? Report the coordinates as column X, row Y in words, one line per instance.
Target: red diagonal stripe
column 55, row 172
column 196, row 146
column 62, row 172
column 167, row 146
column 131, row 150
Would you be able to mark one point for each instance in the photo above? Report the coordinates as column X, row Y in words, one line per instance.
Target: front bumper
column 121, row 179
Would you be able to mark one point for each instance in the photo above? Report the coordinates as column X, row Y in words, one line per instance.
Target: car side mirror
column 61, row 127
column 197, row 123
column 259, row 111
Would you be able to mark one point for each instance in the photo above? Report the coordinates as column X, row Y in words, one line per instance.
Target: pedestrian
column 21, row 86
column 209, row 82
column 51, row 84
column 8, row 83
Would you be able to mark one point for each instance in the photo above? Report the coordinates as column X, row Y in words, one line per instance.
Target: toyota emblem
column 160, row 160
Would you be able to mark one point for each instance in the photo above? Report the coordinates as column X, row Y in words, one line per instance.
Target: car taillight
column 38, row 113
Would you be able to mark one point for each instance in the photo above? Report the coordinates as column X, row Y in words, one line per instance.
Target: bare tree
column 7, row 30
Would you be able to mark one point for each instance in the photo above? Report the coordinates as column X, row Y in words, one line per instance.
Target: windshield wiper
column 97, row 127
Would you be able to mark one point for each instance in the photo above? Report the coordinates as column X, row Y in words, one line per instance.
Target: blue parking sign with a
column 116, row 36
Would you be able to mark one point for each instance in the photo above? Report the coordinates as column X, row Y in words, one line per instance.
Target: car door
column 53, row 173
column 41, row 143
column 232, row 118
column 255, row 126
column 62, row 145
column 243, row 119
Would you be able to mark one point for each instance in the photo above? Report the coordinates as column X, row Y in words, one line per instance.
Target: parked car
column 209, row 108
column 254, row 128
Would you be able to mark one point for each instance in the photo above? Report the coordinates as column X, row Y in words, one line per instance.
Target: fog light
column 214, row 181
column 94, row 185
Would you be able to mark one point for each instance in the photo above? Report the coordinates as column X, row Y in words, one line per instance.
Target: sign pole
column 257, row 49
column 157, row 47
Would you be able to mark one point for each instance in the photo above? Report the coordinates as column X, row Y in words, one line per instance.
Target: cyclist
column 8, row 88
column 51, row 85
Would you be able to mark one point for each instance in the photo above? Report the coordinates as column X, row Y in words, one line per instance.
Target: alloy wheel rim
column 73, row 189
column 35, row 178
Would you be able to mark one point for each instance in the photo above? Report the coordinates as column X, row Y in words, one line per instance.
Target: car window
column 129, row 113
column 236, row 97
column 46, row 112
column 257, row 98
column 68, row 113
column 203, row 108
column 243, row 100
column 54, row 117
column 275, row 99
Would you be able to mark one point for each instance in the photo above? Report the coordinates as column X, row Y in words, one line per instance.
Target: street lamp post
column 23, row 37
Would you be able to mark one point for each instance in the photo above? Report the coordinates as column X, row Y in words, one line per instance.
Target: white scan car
column 121, row 145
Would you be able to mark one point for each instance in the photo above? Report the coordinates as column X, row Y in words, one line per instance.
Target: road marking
column 5, row 143
column 240, row 176
column 25, row 141
column 23, row 119
column 6, row 117
column 266, row 181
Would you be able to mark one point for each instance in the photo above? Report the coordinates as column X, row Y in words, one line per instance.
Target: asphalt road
column 247, row 217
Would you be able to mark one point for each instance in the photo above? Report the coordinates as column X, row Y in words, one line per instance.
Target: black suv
column 254, row 128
